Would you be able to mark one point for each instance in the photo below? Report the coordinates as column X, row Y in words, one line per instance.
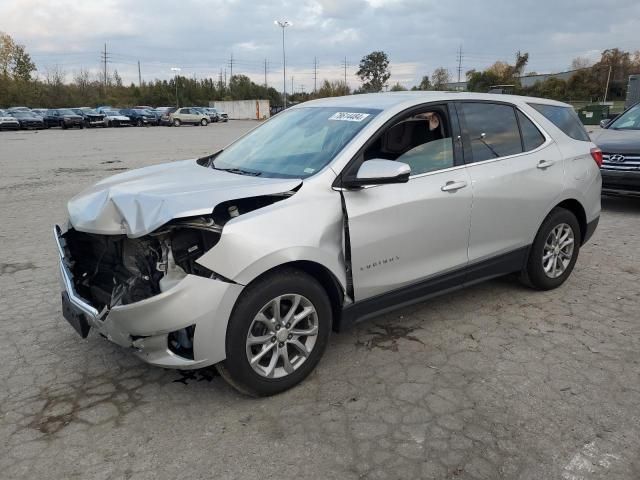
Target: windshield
column 66, row 111
column 295, row 144
column 112, row 113
column 629, row 120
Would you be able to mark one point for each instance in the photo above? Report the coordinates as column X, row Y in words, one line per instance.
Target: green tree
column 334, row 88
column 398, row 88
column 374, row 71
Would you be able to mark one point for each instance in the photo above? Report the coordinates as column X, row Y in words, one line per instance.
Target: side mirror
column 379, row 172
column 604, row 122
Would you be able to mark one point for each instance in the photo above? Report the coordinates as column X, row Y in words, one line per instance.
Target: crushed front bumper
column 144, row 326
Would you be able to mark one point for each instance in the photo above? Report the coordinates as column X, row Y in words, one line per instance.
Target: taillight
column 596, row 153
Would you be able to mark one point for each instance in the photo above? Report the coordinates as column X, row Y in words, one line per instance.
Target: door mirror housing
column 378, row 172
column 604, row 122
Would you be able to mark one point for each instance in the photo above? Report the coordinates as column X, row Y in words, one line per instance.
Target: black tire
column 177, row 122
column 139, row 123
column 204, row 122
column 236, row 369
column 64, row 126
column 534, row 274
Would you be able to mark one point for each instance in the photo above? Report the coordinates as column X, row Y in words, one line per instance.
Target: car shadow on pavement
column 621, row 204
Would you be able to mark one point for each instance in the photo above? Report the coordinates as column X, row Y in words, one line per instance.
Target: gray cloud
column 419, row 35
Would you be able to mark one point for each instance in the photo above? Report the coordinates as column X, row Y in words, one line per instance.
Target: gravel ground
column 496, row 381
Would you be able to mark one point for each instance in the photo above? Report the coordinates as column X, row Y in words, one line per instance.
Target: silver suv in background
column 331, row 212
column 188, row 116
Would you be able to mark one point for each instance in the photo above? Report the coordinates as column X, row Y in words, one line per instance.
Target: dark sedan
column 28, row 120
column 619, row 141
column 90, row 117
column 63, row 117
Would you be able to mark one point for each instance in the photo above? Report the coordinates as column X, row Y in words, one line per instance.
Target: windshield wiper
column 239, row 171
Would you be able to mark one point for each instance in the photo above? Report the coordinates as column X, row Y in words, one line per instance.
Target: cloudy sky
column 200, row 36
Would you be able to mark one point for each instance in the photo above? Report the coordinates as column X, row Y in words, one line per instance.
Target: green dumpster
column 592, row 114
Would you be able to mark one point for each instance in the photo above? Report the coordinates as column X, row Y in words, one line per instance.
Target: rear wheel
column 277, row 333
column 204, row 122
column 139, row 123
column 554, row 251
column 176, row 122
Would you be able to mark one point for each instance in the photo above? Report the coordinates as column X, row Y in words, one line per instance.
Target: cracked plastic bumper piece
column 145, row 325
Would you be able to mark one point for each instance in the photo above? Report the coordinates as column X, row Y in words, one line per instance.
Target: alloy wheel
column 558, row 250
column 282, row 336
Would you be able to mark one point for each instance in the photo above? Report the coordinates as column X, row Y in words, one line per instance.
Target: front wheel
column 277, row 333
column 554, row 251
column 176, row 123
column 204, row 122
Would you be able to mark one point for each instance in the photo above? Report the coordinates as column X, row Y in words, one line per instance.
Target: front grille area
column 621, row 162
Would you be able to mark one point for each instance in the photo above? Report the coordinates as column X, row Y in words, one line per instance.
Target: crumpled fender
column 308, row 227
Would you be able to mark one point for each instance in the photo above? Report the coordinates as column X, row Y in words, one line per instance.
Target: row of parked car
column 16, row 118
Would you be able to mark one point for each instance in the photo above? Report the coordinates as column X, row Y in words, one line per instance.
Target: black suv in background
column 140, row 117
column 90, row 117
column 619, row 141
column 63, row 117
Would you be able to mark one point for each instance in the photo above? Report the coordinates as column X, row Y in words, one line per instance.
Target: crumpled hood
column 136, row 203
column 617, row 141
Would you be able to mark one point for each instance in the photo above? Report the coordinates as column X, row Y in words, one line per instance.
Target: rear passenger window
column 492, row 130
column 565, row 119
column 531, row 136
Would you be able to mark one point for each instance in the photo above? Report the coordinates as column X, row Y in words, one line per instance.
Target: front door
column 403, row 233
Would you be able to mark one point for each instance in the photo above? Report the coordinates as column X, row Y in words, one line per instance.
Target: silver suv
column 331, row 212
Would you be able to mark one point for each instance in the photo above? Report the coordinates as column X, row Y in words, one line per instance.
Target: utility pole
column 301, row 87
column 231, row 68
column 606, row 89
column 139, row 75
column 292, row 90
column 459, row 62
column 315, row 74
column 225, row 77
column 105, row 59
column 345, row 64
column 220, row 79
column 265, row 73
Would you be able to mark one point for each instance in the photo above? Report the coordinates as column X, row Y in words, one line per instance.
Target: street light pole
column 283, row 24
column 175, row 70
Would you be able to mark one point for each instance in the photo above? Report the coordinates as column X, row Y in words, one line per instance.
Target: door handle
column 542, row 164
column 453, row 186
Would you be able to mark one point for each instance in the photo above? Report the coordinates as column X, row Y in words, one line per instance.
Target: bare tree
column 579, row 63
column 439, row 78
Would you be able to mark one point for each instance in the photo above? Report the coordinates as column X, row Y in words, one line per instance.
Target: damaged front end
column 111, row 270
column 107, row 271
column 144, row 291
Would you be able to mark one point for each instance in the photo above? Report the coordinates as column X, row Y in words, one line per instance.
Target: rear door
column 516, row 173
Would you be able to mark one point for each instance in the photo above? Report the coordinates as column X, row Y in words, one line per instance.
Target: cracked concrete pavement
column 496, row 381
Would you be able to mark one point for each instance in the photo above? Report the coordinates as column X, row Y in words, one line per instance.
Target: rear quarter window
column 565, row 119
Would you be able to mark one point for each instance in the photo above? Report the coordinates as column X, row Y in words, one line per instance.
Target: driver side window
column 422, row 140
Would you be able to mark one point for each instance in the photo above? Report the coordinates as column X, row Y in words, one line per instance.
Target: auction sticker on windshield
column 349, row 116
